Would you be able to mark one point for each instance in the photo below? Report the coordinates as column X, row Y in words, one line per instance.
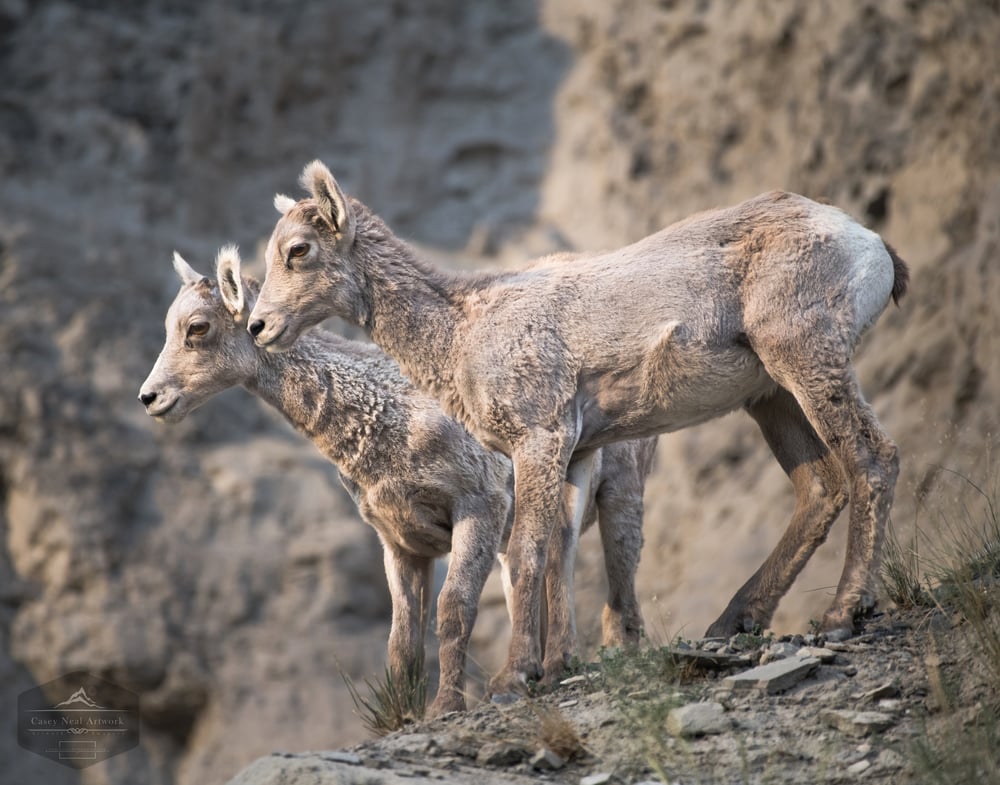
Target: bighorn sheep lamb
column 424, row 484
column 757, row 306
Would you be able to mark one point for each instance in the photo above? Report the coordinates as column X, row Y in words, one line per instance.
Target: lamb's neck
column 329, row 399
column 415, row 312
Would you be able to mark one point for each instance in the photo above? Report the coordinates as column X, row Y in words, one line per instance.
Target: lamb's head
column 310, row 269
column 207, row 349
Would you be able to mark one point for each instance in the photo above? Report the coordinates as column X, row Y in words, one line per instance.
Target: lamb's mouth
column 163, row 410
column 275, row 344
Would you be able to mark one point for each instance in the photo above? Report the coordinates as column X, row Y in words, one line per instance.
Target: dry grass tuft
column 391, row 702
column 557, row 732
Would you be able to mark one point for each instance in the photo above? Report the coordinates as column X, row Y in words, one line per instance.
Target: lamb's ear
column 186, row 272
column 227, row 270
column 283, row 203
column 333, row 205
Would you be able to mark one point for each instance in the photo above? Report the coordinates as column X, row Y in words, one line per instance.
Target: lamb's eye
column 298, row 250
column 198, row 329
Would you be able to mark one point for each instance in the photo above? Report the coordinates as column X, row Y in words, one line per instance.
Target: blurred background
column 216, row 567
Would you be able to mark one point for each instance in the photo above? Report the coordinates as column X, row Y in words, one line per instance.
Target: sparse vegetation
column 555, row 730
column 901, row 573
column 624, row 670
column 647, row 683
column 392, row 702
column 745, row 641
column 961, row 744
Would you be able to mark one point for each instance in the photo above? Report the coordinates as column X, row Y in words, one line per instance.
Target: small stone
column 573, row 680
column 824, row 655
column 723, row 695
column 698, row 719
column 778, row 651
column 887, row 690
column 860, row 766
column 857, row 723
column 600, row 778
column 567, row 703
column 463, row 744
column 547, row 760
column 711, row 644
column 890, row 759
column 890, row 704
column 774, row 677
column 501, row 753
column 850, row 670
column 343, row 757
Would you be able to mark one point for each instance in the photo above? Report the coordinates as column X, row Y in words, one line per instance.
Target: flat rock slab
column 698, row 719
column 707, row 660
column 857, row 723
column 774, row 677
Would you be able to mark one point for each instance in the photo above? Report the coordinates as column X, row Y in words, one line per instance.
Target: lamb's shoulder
column 433, row 472
column 449, row 458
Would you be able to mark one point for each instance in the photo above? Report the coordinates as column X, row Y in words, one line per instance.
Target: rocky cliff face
column 216, row 567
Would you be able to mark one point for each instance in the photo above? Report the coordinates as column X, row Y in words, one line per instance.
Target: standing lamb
column 424, row 484
column 757, row 306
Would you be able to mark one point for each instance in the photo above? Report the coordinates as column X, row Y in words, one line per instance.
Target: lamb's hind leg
column 619, row 511
column 823, row 382
column 820, row 494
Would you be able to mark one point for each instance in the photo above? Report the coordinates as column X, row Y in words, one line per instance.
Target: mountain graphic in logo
column 79, row 697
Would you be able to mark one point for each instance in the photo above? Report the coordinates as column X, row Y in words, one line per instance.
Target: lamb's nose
column 255, row 327
column 147, row 398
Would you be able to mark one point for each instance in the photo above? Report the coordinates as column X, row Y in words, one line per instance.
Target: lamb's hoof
column 728, row 625
column 838, row 624
column 440, row 707
column 511, row 684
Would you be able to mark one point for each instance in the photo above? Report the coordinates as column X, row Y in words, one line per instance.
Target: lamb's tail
column 901, row 274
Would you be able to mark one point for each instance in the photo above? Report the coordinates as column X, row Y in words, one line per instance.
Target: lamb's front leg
column 539, row 472
column 475, row 539
column 560, row 639
column 409, row 580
